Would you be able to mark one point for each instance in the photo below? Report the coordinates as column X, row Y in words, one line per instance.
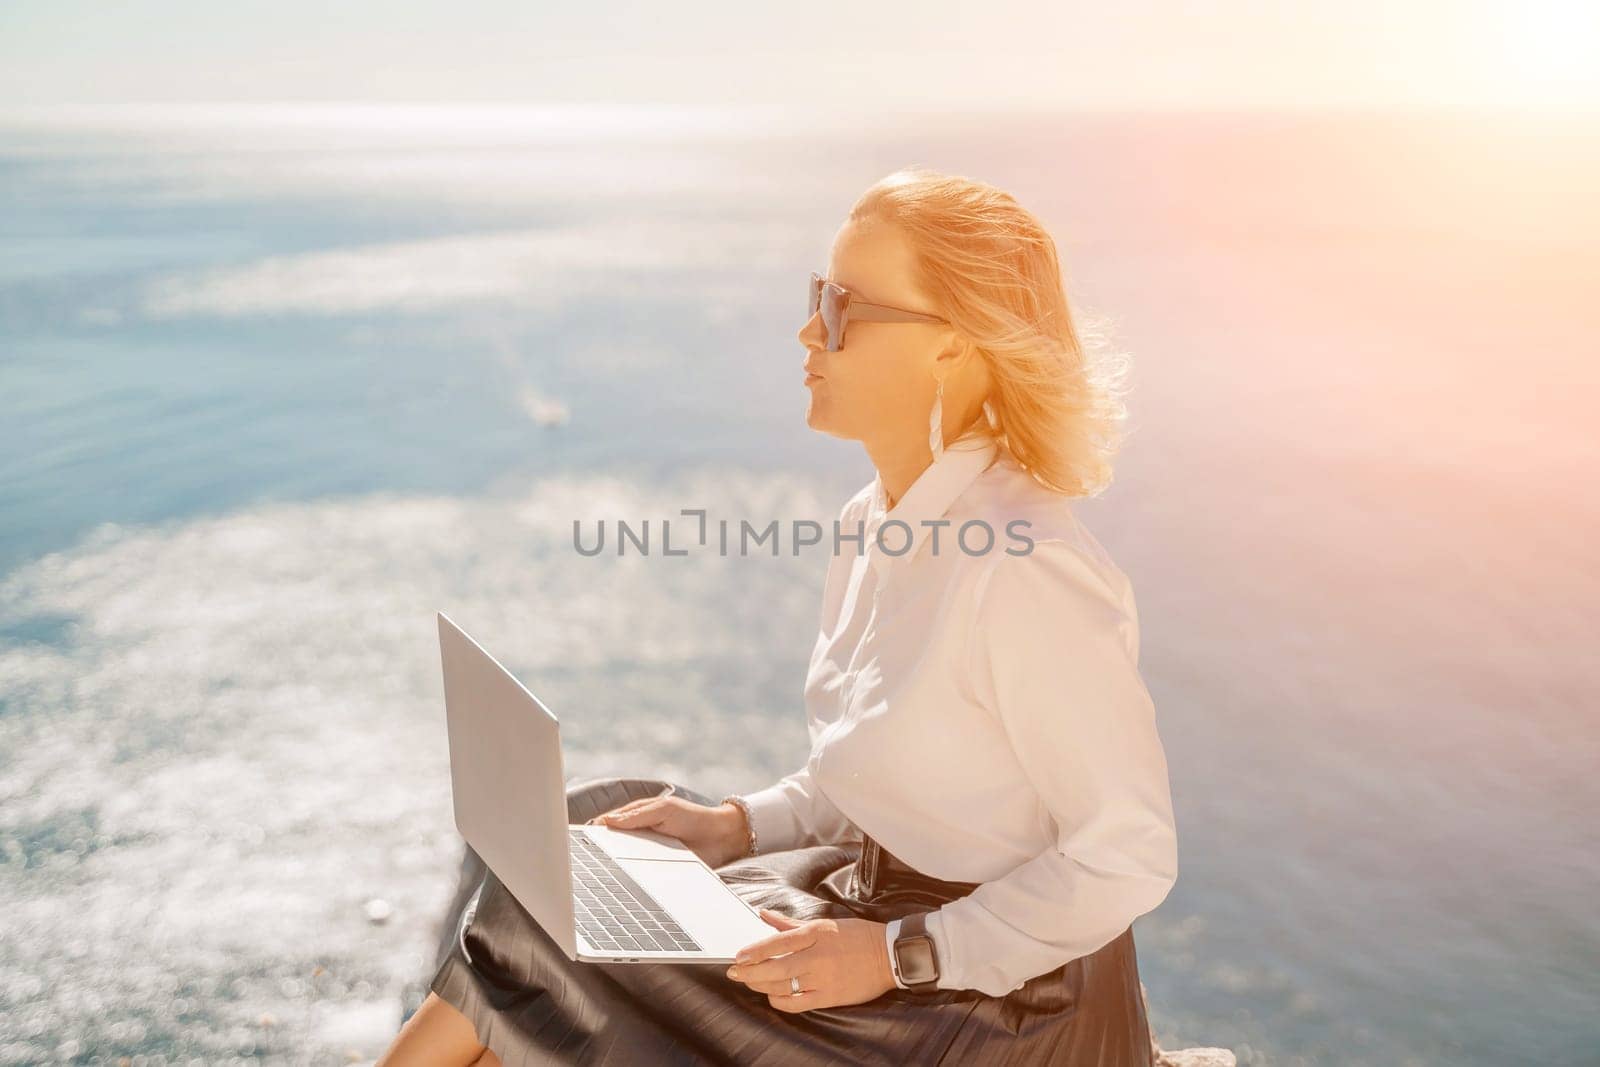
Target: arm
column 1054, row 659
column 794, row 813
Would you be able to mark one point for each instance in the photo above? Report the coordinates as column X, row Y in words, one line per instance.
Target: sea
column 279, row 382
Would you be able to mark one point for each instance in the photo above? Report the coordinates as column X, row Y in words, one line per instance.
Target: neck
column 900, row 463
column 898, row 466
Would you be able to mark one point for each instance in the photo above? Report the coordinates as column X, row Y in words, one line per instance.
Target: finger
column 778, row 986
column 778, row 919
column 757, row 951
column 763, row 953
column 802, row 936
column 645, row 815
column 767, row 975
column 770, row 972
column 631, row 805
column 797, row 1002
column 778, row 968
column 599, row 816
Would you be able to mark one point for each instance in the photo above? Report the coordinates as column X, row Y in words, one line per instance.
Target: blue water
column 269, row 397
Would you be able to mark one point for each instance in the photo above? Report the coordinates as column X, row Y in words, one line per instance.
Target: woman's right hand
column 717, row 835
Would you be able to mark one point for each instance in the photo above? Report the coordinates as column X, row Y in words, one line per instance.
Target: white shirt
column 982, row 716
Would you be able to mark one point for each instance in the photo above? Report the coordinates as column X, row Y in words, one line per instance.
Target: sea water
column 277, row 384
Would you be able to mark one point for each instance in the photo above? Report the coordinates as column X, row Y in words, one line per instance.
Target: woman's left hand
column 838, row 961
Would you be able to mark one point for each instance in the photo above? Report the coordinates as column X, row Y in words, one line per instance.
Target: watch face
column 916, row 959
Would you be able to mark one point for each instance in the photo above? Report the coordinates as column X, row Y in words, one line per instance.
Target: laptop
column 604, row 895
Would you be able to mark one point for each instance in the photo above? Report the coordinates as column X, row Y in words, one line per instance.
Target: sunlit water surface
column 274, row 387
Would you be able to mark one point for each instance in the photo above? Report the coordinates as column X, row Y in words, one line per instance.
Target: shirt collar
column 928, row 499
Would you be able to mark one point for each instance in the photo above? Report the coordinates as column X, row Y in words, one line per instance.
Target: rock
column 1197, row 1057
column 1185, row 1057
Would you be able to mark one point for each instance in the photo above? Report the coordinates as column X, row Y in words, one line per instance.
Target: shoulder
column 1007, row 497
column 1040, row 541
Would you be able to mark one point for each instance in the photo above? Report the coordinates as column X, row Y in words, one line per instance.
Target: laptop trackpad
column 640, row 844
column 704, row 906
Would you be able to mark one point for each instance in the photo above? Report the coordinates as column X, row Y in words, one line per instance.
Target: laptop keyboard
column 613, row 911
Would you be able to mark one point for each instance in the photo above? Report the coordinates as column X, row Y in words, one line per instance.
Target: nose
column 813, row 334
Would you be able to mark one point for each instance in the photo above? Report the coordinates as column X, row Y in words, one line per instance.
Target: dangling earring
column 936, row 423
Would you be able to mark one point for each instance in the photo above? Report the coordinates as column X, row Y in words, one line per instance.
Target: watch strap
column 914, row 928
column 891, row 930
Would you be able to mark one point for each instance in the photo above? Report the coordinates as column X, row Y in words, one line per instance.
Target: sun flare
column 1550, row 53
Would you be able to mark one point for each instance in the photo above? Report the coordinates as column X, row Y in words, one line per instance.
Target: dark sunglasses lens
column 834, row 301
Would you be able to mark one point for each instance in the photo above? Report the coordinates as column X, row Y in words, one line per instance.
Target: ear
column 954, row 355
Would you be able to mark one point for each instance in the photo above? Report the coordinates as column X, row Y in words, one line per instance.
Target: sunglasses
column 838, row 306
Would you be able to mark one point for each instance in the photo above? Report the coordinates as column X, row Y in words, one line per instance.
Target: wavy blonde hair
column 1057, row 404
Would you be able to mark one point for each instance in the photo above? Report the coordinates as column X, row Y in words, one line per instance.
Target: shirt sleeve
column 1054, row 659
column 794, row 813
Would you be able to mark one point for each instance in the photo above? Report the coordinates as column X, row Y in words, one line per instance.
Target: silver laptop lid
column 507, row 781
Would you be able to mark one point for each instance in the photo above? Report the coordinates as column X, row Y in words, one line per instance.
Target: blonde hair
column 991, row 268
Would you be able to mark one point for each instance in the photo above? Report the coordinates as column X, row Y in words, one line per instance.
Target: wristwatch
column 912, row 956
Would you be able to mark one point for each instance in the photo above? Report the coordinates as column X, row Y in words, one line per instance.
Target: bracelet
column 750, row 824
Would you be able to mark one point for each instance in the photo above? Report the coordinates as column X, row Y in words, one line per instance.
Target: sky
column 1540, row 55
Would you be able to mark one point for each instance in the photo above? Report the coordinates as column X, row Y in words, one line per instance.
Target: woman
column 985, row 777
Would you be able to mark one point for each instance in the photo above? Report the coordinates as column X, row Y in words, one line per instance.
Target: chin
column 820, row 419
column 821, row 424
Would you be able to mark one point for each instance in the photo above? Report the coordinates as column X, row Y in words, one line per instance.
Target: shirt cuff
column 934, row 925
column 772, row 817
column 952, row 974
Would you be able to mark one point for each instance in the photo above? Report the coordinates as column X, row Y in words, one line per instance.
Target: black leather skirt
column 532, row 1005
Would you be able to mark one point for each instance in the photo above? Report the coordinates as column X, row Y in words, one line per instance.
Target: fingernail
column 733, row 972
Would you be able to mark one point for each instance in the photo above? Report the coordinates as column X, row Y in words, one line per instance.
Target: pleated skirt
column 532, row 1006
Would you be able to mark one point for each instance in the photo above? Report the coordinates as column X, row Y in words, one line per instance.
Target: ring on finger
column 794, row 985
